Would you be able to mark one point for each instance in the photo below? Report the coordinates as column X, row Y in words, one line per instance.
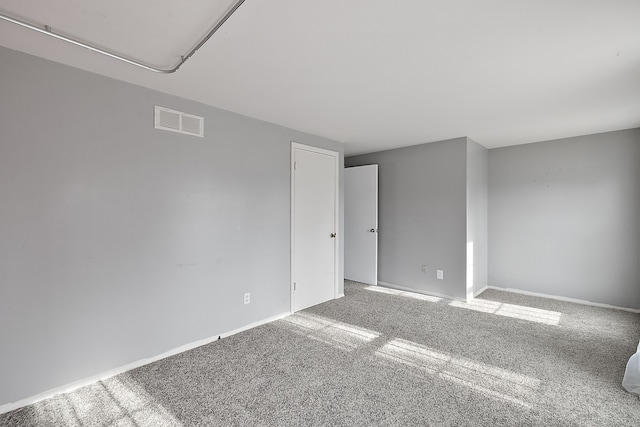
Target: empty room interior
column 289, row 212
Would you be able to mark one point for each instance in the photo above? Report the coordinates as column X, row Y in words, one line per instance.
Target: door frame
column 336, row 216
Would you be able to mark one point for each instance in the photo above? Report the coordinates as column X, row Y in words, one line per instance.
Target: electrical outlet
column 440, row 274
column 247, row 298
column 424, row 269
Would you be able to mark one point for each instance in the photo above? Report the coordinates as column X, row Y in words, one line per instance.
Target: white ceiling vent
column 177, row 121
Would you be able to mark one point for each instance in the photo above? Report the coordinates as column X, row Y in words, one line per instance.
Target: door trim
column 336, row 217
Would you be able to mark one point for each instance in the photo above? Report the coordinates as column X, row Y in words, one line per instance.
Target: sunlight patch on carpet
column 511, row 310
column 116, row 401
column 337, row 334
column 489, row 380
column 406, row 294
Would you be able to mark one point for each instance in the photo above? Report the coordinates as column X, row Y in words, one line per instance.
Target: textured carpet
column 381, row 357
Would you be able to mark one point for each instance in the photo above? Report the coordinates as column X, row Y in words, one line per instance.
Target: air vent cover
column 177, row 121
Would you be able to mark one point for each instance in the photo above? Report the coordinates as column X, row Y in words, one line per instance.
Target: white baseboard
column 476, row 293
column 565, row 299
column 406, row 289
column 104, row 375
column 515, row 291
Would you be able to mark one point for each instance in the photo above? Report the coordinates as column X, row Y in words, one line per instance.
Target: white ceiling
column 374, row 74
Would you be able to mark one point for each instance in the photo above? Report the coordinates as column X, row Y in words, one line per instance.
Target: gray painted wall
column 119, row 242
column 477, row 200
column 565, row 217
column 422, row 215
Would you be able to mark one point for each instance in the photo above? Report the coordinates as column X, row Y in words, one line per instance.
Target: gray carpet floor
column 381, row 357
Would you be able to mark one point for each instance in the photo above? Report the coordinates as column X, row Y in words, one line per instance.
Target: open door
column 361, row 224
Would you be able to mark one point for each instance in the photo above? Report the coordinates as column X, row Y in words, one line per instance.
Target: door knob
column 373, row 230
column 333, row 235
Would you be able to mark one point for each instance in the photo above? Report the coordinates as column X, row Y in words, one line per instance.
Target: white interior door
column 361, row 224
column 314, row 225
